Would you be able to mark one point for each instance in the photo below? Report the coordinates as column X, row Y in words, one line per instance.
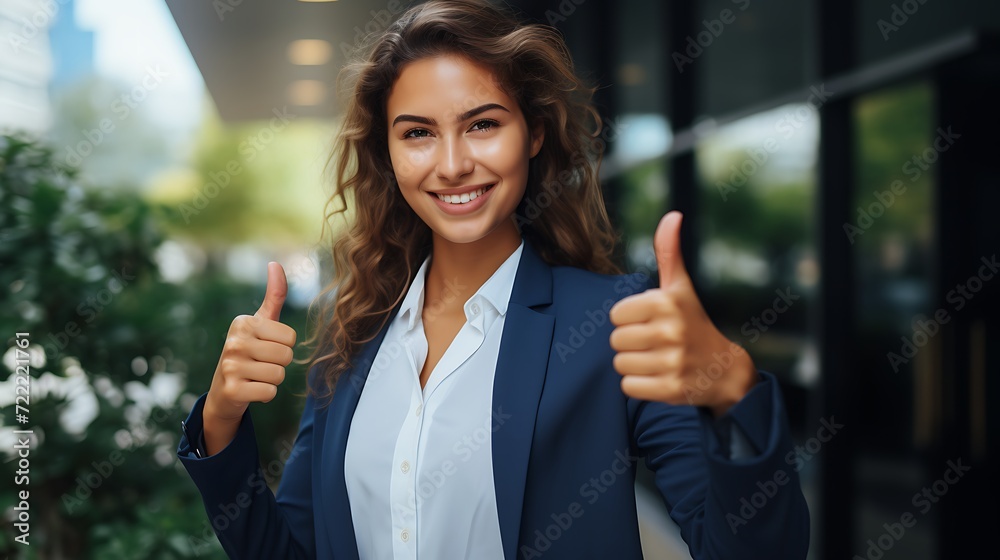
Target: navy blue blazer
column 566, row 443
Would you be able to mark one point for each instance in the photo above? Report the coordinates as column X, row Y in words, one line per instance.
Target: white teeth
column 464, row 197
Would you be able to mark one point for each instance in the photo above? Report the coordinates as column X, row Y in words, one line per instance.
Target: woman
column 487, row 380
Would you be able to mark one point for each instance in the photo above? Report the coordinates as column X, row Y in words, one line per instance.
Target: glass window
column 894, row 27
column 757, row 260
column 748, row 52
column 892, row 235
column 636, row 162
column 757, row 269
column 642, row 202
column 640, row 83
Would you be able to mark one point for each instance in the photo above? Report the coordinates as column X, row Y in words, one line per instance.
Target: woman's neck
column 458, row 270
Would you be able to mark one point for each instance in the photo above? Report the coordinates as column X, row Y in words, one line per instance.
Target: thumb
column 667, row 244
column 274, row 297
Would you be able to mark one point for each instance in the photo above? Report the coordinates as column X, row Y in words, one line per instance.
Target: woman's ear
column 537, row 137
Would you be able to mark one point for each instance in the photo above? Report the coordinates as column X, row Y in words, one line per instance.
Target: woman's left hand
column 667, row 349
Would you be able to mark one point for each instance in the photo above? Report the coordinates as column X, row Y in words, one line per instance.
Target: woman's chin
column 470, row 232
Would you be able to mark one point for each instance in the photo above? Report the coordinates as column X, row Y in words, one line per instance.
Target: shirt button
column 404, row 535
column 405, row 467
column 420, row 408
column 475, row 309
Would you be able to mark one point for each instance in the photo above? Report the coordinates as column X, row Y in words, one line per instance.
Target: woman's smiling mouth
column 464, row 203
column 463, row 198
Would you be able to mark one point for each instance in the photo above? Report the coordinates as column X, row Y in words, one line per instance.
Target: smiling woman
column 472, row 164
column 484, row 381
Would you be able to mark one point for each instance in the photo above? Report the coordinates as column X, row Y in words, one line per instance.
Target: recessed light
column 309, row 52
column 306, row 92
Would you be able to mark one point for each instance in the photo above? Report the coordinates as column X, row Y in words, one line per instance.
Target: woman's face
column 453, row 132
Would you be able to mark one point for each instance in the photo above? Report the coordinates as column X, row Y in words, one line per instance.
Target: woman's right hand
column 252, row 364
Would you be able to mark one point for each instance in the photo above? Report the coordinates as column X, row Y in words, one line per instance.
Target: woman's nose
column 454, row 160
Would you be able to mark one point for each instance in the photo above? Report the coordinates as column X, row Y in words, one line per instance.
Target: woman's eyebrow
column 481, row 109
column 413, row 118
column 463, row 117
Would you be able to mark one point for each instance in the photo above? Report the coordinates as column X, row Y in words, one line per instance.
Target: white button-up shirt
column 419, row 463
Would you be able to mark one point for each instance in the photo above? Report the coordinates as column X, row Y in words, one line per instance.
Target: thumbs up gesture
column 667, row 349
column 252, row 364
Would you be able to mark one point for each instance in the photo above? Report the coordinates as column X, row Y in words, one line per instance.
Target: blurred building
column 26, row 71
column 834, row 161
column 72, row 48
column 44, row 50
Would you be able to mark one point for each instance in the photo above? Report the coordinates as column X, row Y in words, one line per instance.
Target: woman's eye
column 484, row 125
column 417, row 133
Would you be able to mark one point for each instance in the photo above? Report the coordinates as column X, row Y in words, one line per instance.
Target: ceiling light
column 309, row 52
column 306, row 92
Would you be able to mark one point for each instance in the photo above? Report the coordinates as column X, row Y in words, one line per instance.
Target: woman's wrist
column 743, row 378
column 217, row 431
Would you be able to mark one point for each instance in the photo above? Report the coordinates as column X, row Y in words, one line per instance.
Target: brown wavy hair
column 562, row 213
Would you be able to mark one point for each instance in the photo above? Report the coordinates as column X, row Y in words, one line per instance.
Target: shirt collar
column 495, row 292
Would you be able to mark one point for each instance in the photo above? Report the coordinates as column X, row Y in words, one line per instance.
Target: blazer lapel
column 339, row 523
column 517, row 388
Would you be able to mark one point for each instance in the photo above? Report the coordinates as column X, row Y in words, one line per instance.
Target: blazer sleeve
column 248, row 519
column 743, row 508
